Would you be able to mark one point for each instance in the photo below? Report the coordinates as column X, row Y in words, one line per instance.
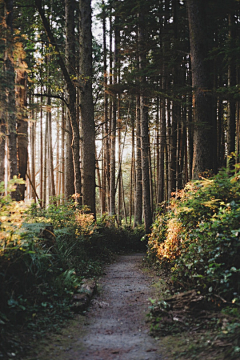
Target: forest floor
column 114, row 327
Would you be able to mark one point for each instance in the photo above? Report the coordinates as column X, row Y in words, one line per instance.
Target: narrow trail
column 115, row 325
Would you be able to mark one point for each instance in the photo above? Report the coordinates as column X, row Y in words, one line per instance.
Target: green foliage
column 39, row 269
column 199, row 237
column 44, row 255
column 197, row 241
column 122, row 238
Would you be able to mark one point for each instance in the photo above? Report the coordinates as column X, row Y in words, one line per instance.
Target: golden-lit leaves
column 12, row 217
column 170, row 247
column 86, row 223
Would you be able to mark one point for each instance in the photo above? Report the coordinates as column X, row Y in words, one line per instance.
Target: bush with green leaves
column 120, row 238
column 45, row 254
column 199, row 237
column 39, row 273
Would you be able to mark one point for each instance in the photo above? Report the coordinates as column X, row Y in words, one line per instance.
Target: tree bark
column 62, row 191
column 175, row 110
column 2, row 148
column 69, row 168
column 45, row 170
column 203, row 155
column 105, row 166
column 144, row 128
column 87, row 109
column 50, row 147
column 120, row 166
column 161, row 187
column 138, row 189
column 32, row 144
column 231, row 120
column 70, row 64
column 2, row 132
column 11, row 99
column 132, row 171
column 22, row 128
column 41, row 150
column 113, row 123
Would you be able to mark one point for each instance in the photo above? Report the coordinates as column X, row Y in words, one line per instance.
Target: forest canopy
column 127, row 117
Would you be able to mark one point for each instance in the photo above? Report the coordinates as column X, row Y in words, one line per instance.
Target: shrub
column 44, row 255
column 199, row 237
column 40, row 268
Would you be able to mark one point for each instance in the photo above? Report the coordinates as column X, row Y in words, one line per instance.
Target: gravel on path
column 114, row 327
column 116, row 320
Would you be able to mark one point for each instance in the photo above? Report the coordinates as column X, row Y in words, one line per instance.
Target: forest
column 119, row 131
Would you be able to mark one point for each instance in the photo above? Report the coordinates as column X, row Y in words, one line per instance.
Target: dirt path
column 114, row 328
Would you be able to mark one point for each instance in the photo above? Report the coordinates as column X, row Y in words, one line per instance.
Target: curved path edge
column 114, row 328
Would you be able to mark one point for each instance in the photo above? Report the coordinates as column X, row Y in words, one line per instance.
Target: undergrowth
column 198, row 242
column 44, row 256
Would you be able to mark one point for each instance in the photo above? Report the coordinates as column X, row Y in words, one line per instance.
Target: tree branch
column 50, row 36
column 34, row 189
column 51, row 96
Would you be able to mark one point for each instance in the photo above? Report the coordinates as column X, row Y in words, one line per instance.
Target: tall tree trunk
column 231, row 120
column 220, row 147
column 2, row 148
column 190, row 126
column 181, row 148
column 41, row 150
column 150, row 175
column 32, row 139
column 2, row 131
column 184, row 173
column 69, row 168
column 70, row 64
column 105, row 166
column 113, row 160
column 176, row 110
column 161, row 187
column 50, row 147
column 99, row 185
column 156, row 157
column 120, row 166
column 22, row 128
column 113, row 123
column 63, row 152
column 58, row 180
column 45, row 170
column 145, row 163
column 144, row 127
column 11, row 100
column 124, row 203
column 138, row 188
column 132, row 172
column 238, row 130
column 111, row 204
column 203, row 156
column 104, row 170
column 87, row 109
column 11, row 124
column 2, row 112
